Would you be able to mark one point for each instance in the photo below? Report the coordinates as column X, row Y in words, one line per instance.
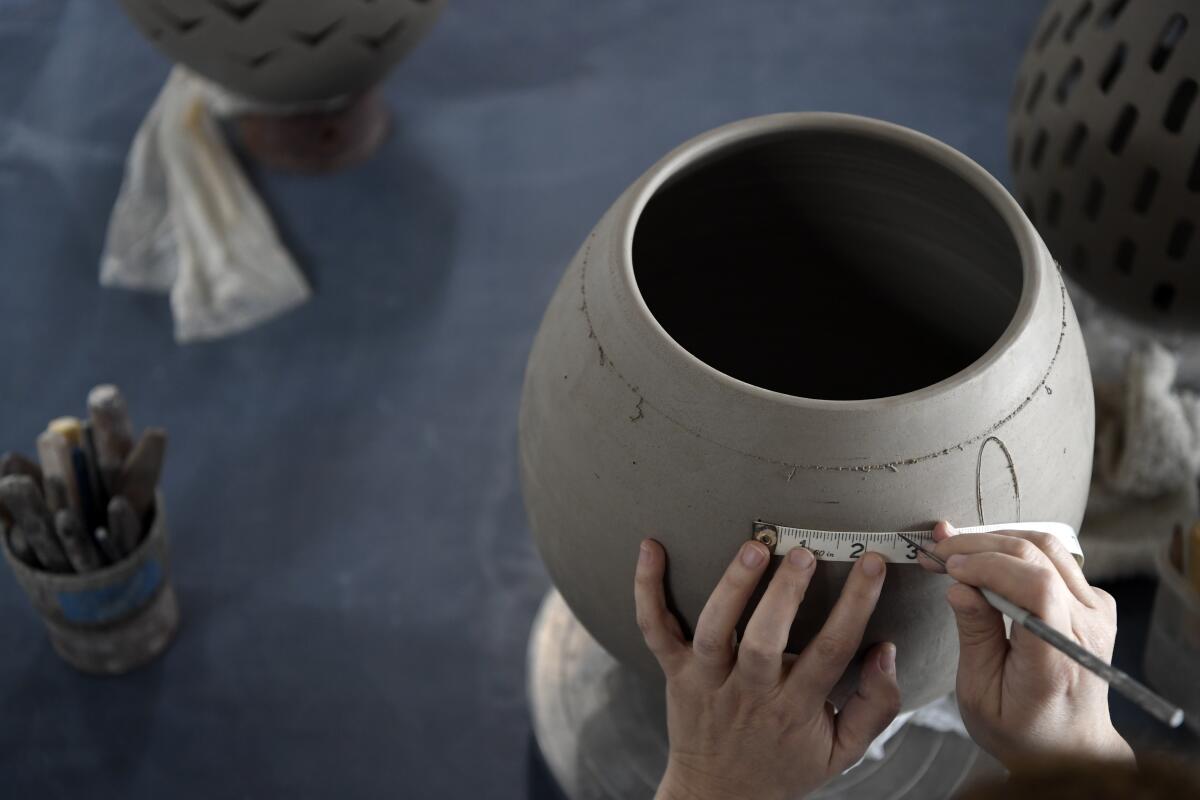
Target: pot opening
column 826, row 264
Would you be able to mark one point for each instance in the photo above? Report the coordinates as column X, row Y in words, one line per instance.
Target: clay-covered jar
column 817, row 320
column 286, row 51
column 1104, row 138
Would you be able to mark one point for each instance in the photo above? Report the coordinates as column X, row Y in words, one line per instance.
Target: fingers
column 871, row 709
column 712, row 644
column 972, row 543
column 1063, row 561
column 982, row 643
column 659, row 627
column 824, row 660
column 760, row 653
column 941, row 532
column 1036, row 587
column 1031, row 546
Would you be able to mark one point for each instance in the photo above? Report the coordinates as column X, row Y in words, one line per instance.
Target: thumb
column 982, row 642
column 870, row 709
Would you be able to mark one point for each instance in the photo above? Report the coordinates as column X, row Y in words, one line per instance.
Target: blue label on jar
column 94, row 606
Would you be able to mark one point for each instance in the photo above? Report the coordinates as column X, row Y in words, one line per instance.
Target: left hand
column 741, row 721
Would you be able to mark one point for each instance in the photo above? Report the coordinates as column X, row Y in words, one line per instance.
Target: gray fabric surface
column 350, row 551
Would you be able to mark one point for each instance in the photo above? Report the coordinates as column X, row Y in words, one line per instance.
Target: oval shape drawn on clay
column 997, row 489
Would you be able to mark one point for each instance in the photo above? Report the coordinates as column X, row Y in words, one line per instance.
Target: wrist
column 1102, row 745
column 1113, row 747
column 684, row 782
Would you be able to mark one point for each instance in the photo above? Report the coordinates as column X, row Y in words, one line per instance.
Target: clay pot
column 813, row 319
column 1104, row 137
column 286, row 51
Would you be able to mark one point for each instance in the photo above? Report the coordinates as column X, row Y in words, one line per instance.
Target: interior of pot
column 827, row 264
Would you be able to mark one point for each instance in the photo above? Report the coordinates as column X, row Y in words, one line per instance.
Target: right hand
column 1020, row 698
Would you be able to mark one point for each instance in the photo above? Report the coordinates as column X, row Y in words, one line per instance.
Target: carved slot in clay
column 1039, row 149
column 1077, row 19
column 1116, row 62
column 1180, row 238
column 1068, row 81
column 1123, row 129
column 1017, row 146
column 1093, row 200
column 180, row 24
column 1193, row 183
column 1110, row 13
column 827, row 265
column 314, row 38
column 1035, row 92
column 1145, row 190
column 1074, row 144
column 1124, row 256
column 256, row 61
column 378, row 41
column 1053, row 208
column 1163, row 297
column 1168, row 40
column 1180, row 105
column 1048, row 32
column 1079, row 258
column 239, row 11
column 1014, row 101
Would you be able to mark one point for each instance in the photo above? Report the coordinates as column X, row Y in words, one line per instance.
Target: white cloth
column 186, row 221
column 1147, row 460
column 940, row 715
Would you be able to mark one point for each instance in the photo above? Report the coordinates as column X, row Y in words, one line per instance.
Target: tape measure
column 851, row 545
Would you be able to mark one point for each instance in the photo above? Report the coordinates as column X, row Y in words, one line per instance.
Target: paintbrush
column 1155, row 705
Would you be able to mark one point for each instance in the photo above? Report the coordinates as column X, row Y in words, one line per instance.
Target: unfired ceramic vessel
column 814, row 319
column 1104, row 137
column 286, row 51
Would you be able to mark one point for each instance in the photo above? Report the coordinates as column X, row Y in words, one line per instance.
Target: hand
column 1020, row 698
column 741, row 721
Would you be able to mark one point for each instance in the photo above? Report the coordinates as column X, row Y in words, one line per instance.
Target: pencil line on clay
column 892, row 466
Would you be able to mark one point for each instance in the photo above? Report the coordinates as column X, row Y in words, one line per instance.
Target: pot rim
column 734, row 135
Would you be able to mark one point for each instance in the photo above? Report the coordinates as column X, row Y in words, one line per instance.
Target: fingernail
column 644, row 553
column 800, row 557
column 943, row 531
column 872, row 565
column 887, row 658
column 753, row 554
column 955, row 561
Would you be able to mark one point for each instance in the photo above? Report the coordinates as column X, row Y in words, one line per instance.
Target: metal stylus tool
column 1158, row 707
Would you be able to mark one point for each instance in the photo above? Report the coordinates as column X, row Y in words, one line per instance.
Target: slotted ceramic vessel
column 286, row 51
column 1104, row 137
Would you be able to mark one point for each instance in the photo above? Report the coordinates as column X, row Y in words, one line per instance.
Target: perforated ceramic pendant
column 286, row 51
column 1104, row 136
column 818, row 320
